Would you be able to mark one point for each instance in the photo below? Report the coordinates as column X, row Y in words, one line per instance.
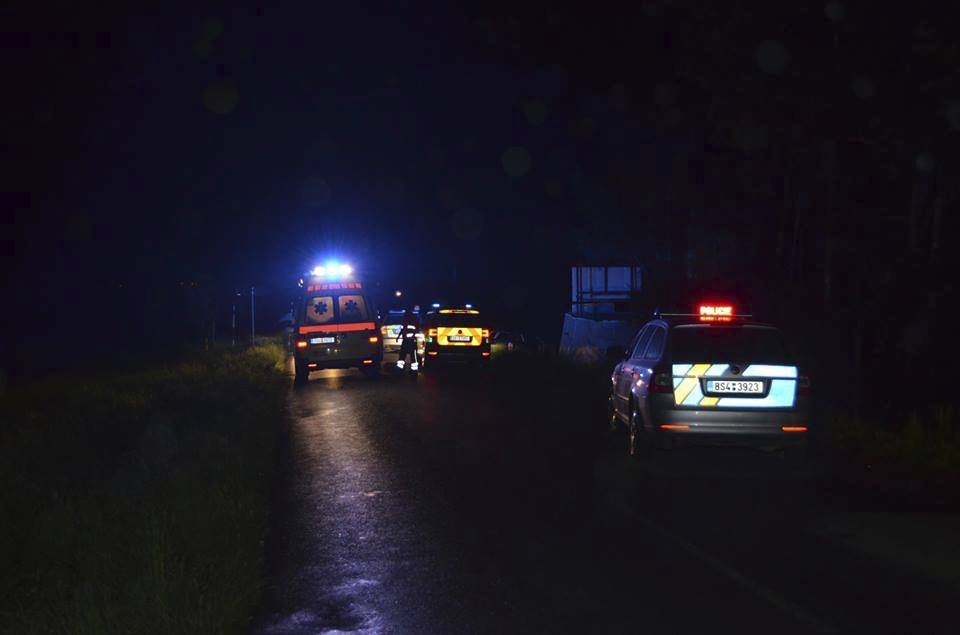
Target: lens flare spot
column 221, row 97
column 516, row 161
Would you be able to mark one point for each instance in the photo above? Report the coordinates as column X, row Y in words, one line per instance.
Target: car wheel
column 612, row 419
column 301, row 373
column 638, row 442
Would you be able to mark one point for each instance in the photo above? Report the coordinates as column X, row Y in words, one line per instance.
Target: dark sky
column 238, row 146
column 441, row 148
column 239, row 142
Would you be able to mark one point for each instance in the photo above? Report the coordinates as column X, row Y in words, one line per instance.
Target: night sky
column 453, row 154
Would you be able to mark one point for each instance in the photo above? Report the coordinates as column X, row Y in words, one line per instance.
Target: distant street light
column 233, row 339
column 398, row 293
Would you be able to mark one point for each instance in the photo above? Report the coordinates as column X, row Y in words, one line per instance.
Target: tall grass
column 137, row 502
column 927, row 442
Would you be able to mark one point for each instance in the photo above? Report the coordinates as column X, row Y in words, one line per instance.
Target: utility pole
column 253, row 331
column 233, row 324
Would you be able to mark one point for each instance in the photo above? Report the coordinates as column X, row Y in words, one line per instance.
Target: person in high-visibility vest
column 409, row 327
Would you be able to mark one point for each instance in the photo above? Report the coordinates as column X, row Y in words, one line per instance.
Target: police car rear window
column 455, row 319
column 394, row 316
column 703, row 343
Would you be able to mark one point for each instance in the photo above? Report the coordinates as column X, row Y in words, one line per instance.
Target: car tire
column 301, row 373
column 638, row 442
column 613, row 421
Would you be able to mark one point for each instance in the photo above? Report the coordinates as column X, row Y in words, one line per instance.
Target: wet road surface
column 459, row 504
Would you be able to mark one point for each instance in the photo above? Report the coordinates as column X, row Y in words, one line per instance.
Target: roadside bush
column 929, row 441
column 138, row 502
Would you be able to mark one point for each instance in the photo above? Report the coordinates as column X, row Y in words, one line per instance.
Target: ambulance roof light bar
column 332, row 270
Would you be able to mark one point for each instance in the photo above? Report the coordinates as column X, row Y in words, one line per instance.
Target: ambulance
column 336, row 324
column 455, row 334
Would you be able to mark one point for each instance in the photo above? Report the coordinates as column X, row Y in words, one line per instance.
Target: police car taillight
column 661, row 382
column 432, row 332
column 301, row 343
column 803, row 384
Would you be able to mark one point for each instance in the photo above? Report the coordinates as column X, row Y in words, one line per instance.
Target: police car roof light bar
column 703, row 317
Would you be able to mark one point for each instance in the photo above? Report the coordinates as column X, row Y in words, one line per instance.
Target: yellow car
column 455, row 334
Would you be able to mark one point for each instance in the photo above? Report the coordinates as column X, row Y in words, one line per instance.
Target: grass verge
column 138, row 502
column 920, row 457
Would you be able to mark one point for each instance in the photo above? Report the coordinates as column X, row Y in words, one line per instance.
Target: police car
column 391, row 328
column 336, row 324
column 710, row 376
column 455, row 334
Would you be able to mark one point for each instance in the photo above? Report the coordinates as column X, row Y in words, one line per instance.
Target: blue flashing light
column 332, row 269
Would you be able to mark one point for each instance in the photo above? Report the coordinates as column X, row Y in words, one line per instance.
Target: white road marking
column 751, row 585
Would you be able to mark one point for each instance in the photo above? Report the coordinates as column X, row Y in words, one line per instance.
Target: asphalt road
column 477, row 503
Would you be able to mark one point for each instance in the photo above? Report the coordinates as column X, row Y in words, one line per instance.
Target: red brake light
column 301, row 343
column 661, row 382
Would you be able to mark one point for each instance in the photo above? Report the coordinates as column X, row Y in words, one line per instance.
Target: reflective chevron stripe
column 687, row 390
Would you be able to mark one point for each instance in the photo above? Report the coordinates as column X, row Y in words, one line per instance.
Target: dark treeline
column 794, row 156
column 798, row 157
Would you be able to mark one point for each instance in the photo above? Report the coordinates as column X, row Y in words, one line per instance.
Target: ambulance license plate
column 459, row 338
column 323, row 340
column 735, row 387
